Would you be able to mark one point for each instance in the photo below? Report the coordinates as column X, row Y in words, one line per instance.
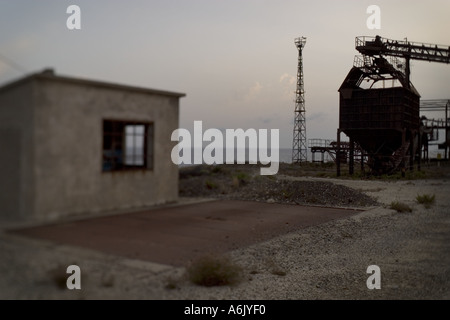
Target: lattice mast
column 299, row 149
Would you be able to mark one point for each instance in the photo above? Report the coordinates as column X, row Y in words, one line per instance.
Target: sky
column 235, row 60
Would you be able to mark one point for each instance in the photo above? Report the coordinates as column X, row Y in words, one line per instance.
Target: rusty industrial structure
column 329, row 149
column 431, row 128
column 299, row 149
column 379, row 106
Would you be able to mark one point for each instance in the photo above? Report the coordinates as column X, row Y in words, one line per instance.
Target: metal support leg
column 362, row 161
column 446, row 129
column 419, row 160
column 338, row 153
column 411, row 151
column 351, row 168
column 403, row 164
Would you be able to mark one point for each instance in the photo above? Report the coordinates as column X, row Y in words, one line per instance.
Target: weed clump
column 400, row 207
column 211, row 185
column 426, row 199
column 211, row 270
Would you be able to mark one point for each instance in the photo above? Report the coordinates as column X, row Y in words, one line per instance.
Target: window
column 127, row 145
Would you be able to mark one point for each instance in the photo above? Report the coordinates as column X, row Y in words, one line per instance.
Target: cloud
column 2, row 68
column 288, row 84
column 266, row 120
column 254, row 91
column 287, row 78
column 248, row 93
column 24, row 43
column 316, row 116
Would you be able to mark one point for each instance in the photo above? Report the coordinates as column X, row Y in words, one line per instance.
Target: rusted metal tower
column 384, row 119
column 299, row 149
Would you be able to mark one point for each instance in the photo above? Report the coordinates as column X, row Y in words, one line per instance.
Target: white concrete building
column 70, row 146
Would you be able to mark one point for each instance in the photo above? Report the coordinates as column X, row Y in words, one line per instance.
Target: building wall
column 16, row 151
column 68, row 137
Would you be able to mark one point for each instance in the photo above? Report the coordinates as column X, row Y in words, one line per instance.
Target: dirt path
column 176, row 235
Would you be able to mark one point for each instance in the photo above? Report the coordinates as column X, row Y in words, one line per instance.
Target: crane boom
column 410, row 50
column 379, row 47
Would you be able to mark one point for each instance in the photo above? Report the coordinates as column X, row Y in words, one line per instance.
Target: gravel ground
column 239, row 184
column 328, row 261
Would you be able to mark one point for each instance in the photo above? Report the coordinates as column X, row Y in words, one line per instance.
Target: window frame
column 114, row 134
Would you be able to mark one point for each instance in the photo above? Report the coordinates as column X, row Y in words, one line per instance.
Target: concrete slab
column 176, row 235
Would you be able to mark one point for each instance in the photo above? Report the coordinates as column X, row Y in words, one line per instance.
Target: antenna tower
column 299, row 150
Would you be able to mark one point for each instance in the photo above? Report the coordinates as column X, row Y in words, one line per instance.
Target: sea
column 284, row 155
